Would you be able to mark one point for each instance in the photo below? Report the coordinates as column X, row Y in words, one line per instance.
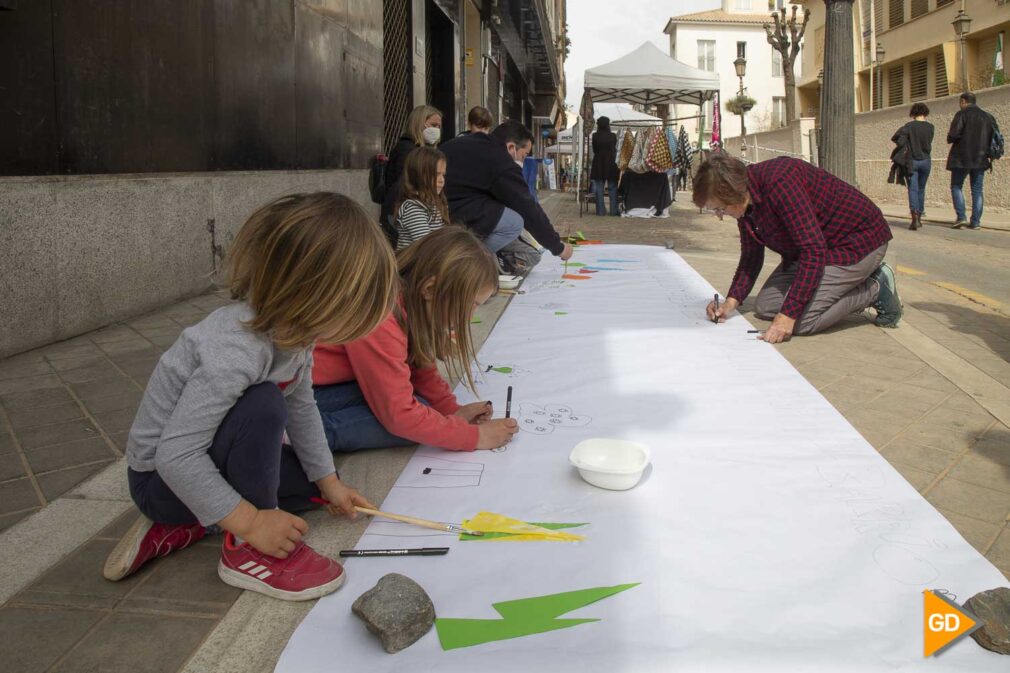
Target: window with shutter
column 942, row 83
column 941, row 3
column 919, row 7
column 706, row 55
column 918, row 77
column 878, row 88
column 896, row 13
column 895, row 85
column 865, row 19
column 878, row 16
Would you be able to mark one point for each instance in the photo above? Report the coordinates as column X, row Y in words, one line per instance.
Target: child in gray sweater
column 207, row 445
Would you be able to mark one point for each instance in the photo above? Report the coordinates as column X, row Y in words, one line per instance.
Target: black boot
column 916, row 221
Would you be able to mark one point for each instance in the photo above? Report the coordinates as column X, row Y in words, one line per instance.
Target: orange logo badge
column 944, row 623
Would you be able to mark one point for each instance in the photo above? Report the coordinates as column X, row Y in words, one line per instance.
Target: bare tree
column 785, row 39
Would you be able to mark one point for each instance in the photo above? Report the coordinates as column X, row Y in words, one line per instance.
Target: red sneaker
column 303, row 575
column 146, row 540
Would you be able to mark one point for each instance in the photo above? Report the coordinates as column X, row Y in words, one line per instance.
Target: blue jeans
column 349, row 423
column 957, row 176
column 248, row 453
column 917, row 185
column 509, row 226
column 597, row 187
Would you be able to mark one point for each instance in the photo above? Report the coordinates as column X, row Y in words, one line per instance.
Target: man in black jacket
column 970, row 136
column 487, row 193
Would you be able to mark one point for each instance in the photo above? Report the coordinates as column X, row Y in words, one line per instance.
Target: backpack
column 377, row 177
column 996, row 144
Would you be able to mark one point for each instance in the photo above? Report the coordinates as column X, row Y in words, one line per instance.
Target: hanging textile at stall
column 658, row 157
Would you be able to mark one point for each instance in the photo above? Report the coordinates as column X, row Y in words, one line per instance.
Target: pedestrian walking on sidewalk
column 917, row 137
column 970, row 137
column 831, row 237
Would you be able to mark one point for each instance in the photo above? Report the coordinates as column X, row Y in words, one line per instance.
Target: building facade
column 712, row 40
column 921, row 51
column 137, row 135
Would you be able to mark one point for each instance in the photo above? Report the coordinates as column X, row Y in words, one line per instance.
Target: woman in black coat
column 604, row 168
column 423, row 127
column 917, row 137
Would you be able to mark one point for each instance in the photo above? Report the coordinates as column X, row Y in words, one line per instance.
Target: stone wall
column 791, row 140
column 873, row 152
column 80, row 252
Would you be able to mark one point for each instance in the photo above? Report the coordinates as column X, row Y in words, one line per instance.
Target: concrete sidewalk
column 944, row 217
column 936, row 408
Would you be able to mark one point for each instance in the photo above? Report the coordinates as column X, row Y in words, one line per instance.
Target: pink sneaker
column 146, row 540
column 303, row 575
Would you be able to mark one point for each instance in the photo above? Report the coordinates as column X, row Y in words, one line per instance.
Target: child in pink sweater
column 367, row 390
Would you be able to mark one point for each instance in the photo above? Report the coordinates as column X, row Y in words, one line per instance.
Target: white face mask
column 431, row 135
column 519, row 163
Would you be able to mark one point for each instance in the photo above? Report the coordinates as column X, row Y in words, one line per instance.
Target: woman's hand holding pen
column 719, row 312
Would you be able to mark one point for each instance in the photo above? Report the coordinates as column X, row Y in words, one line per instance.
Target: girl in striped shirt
column 423, row 208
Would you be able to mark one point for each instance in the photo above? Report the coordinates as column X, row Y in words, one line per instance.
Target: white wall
column 759, row 82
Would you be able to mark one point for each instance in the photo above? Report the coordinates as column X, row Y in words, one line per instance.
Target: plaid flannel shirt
column 808, row 216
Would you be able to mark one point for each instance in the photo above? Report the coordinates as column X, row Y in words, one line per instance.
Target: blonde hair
column 414, row 128
column 420, row 171
column 458, row 266
column 312, row 266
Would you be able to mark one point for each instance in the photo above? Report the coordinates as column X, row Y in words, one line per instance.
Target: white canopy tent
column 645, row 76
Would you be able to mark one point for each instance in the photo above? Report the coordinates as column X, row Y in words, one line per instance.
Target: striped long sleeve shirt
column 414, row 221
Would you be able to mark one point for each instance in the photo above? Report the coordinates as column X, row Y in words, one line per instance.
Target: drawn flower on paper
column 542, row 420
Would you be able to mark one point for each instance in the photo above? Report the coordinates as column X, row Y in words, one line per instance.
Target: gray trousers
column 843, row 290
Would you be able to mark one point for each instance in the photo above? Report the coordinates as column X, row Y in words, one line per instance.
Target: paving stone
column 878, row 427
column 995, row 445
column 113, row 334
column 8, row 520
column 6, row 441
column 55, row 484
column 71, row 454
column 24, row 385
column 33, row 398
column 908, row 400
column 970, row 500
column 11, row 466
column 117, row 529
column 27, row 417
column 23, row 369
column 57, row 433
column 931, row 380
column 103, row 369
column 119, row 420
column 999, row 553
column 119, row 439
column 927, row 459
column 80, row 347
column 127, row 400
column 983, row 471
column 939, row 436
column 119, row 385
column 140, row 370
column 919, row 479
column 32, row 640
column 137, row 346
column 80, row 575
column 65, row 364
column 127, row 643
column 17, row 495
column 185, row 582
column 978, row 533
column 151, row 321
column 854, row 391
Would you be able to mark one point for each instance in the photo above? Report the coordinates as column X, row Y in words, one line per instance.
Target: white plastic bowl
column 615, row 464
column 509, row 282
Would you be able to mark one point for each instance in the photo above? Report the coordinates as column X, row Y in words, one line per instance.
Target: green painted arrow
column 522, row 617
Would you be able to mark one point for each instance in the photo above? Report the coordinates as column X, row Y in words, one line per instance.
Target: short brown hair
column 919, row 110
column 312, row 267
column 460, row 266
column 721, row 177
column 480, row 117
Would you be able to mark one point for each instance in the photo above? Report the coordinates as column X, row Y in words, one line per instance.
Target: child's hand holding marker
column 498, row 432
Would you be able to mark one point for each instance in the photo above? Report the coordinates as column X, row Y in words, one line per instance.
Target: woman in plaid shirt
column 831, row 237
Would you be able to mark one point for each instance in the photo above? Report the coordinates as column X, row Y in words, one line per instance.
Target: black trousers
column 248, row 451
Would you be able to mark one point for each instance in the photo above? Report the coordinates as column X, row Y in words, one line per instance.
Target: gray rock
column 992, row 608
column 397, row 610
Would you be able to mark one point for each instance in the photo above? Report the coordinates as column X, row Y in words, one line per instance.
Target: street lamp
column 879, row 76
column 962, row 23
column 740, row 64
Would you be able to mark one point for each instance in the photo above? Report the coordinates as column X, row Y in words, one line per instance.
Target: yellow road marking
column 976, row 297
column 910, row 271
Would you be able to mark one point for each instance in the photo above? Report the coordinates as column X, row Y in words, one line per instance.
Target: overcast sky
column 604, row 30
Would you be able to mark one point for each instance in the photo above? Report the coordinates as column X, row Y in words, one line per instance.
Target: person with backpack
column 974, row 141
column 917, row 138
column 423, row 128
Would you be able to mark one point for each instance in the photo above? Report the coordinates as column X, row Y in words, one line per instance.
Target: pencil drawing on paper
column 543, row 420
column 430, row 472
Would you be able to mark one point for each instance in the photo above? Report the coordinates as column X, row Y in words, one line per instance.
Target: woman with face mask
column 423, row 128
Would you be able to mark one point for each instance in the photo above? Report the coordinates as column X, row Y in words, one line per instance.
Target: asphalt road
column 975, row 264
